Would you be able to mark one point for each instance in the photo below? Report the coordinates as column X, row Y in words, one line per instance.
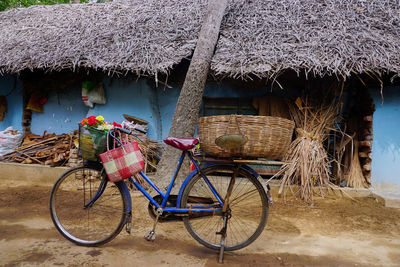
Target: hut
column 281, row 47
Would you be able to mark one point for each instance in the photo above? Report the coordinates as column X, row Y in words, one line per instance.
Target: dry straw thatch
column 258, row 37
column 137, row 36
column 333, row 37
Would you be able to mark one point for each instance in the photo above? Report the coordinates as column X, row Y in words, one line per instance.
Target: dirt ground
column 334, row 232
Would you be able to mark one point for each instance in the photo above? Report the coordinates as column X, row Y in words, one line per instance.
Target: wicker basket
column 269, row 137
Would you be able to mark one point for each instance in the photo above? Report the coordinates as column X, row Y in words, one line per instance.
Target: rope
column 302, row 133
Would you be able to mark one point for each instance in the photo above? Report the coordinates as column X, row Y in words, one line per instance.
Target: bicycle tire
column 249, row 208
column 97, row 224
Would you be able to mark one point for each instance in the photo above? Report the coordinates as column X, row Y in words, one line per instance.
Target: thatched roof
column 258, row 37
column 139, row 35
column 334, row 37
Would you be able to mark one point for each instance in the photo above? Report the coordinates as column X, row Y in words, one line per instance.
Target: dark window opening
column 225, row 106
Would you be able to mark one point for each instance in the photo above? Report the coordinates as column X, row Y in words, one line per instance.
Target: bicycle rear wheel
column 91, row 225
column 248, row 207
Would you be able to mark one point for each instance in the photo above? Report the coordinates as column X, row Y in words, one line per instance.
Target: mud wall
column 137, row 98
column 141, row 98
column 64, row 110
column 386, row 145
column 13, row 91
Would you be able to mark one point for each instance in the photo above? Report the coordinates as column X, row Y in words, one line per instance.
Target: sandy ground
column 335, row 232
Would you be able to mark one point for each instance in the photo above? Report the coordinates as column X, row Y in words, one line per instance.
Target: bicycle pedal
column 150, row 236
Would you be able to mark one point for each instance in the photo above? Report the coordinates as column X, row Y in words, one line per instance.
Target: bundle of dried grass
column 307, row 163
column 355, row 177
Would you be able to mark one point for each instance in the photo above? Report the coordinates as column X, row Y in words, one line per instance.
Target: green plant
column 8, row 4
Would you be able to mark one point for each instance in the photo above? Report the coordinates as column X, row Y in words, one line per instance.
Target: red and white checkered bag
column 122, row 162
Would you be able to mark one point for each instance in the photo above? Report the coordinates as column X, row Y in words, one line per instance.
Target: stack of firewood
column 358, row 156
column 365, row 152
column 62, row 150
column 46, row 149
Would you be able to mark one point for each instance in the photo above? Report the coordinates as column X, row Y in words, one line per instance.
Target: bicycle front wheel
column 87, row 225
column 247, row 206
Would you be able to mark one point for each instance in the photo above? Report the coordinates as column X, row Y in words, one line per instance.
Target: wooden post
column 187, row 109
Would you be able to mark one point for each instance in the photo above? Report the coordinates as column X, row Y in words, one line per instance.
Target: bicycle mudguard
column 266, row 187
column 128, row 201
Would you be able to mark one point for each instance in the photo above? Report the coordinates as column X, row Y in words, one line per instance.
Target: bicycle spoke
column 246, row 208
column 242, row 197
column 95, row 224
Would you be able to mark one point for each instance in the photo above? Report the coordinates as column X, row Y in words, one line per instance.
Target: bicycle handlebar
column 124, row 131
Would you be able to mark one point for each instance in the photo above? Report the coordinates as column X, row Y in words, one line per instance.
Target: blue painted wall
column 386, row 144
column 62, row 113
column 167, row 99
column 143, row 99
column 139, row 99
column 14, row 102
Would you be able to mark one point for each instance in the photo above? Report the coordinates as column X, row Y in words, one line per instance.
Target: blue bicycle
column 222, row 204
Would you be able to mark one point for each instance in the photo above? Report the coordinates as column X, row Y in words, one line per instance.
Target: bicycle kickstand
column 227, row 215
column 151, row 235
column 223, row 237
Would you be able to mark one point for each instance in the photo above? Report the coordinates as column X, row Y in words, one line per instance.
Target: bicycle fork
column 128, row 211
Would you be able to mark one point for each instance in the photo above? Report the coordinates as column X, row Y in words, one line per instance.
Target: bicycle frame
column 165, row 196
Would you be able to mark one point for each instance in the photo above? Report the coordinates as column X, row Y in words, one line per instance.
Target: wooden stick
column 366, row 143
column 368, row 118
column 38, row 143
column 365, row 155
column 367, row 167
column 26, row 155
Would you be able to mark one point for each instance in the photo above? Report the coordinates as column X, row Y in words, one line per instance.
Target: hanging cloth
column 36, row 102
column 93, row 93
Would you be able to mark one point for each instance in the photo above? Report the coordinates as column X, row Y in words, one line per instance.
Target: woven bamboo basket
column 268, row 137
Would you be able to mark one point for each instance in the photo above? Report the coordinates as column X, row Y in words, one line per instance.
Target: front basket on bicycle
column 92, row 142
